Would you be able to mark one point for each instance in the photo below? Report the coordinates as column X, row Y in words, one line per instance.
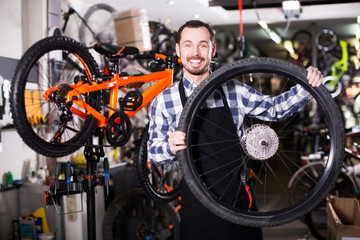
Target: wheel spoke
column 270, row 103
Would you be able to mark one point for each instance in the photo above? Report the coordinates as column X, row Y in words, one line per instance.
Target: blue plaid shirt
column 166, row 108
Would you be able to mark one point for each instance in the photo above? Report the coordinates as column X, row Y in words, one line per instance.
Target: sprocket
column 260, row 142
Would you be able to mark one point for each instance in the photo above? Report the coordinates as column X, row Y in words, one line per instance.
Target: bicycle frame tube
column 162, row 80
column 340, row 67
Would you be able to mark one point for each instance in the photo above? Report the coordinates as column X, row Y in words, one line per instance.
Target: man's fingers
column 314, row 76
column 177, row 141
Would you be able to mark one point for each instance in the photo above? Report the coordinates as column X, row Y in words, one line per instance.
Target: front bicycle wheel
column 131, row 215
column 159, row 181
column 48, row 126
column 265, row 141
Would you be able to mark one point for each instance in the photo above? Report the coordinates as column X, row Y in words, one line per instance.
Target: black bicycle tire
column 320, row 45
column 303, row 171
column 157, row 29
column 295, row 38
column 313, row 228
column 226, row 48
column 144, row 181
column 17, row 105
column 123, row 201
column 89, row 12
column 248, row 218
column 308, row 218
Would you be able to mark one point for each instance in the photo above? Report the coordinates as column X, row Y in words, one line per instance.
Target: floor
column 292, row 231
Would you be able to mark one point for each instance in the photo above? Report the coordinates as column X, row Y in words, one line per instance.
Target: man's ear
column 177, row 48
column 213, row 50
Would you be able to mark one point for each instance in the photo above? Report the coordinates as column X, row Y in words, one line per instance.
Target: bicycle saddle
column 109, row 50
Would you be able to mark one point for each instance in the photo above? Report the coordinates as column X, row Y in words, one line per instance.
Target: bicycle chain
column 101, row 103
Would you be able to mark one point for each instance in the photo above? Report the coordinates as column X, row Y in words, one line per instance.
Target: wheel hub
column 260, row 142
column 61, row 94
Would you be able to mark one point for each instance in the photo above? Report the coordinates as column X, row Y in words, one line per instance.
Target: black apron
column 197, row 222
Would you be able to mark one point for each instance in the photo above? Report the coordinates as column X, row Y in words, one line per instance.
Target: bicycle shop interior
column 41, row 197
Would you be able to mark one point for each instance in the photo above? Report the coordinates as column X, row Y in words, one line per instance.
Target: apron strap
column 182, row 93
column 183, row 96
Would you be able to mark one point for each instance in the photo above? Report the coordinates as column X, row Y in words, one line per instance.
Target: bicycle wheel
column 96, row 26
column 325, row 40
column 268, row 151
column 48, row 126
column 163, row 40
column 226, row 44
column 302, row 37
column 305, row 179
column 302, row 42
column 159, row 181
column 333, row 85
column 131, row 215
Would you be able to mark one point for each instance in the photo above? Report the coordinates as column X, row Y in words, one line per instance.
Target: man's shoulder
column 173, row 89
column 167, row 95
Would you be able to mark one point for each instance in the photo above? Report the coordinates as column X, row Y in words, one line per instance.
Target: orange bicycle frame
column 161, row 79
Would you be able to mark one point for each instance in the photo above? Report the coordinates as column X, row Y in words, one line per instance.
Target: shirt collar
column 189, row 84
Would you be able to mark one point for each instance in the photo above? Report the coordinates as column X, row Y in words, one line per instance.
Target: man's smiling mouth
column 195, row 61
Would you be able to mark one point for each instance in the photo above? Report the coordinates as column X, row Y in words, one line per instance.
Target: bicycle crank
column 118, row 129
column 260, row 142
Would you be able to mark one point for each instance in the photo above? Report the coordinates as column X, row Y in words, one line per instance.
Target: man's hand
column 314, row 76
column 177, row 141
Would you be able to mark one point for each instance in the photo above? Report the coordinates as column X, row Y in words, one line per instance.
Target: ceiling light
column 275, row 37
column 196, row 16
column 291, row 8
column 263, row 24
column 171, row 2
column 289, row 47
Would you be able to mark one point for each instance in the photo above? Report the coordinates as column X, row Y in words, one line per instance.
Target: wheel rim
column 49, row 123
column 160, row 181
column 272, row 209
column 131, row 219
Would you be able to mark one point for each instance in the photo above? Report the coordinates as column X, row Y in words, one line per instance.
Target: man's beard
column 196, row 71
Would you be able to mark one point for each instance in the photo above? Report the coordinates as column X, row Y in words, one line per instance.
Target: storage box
column 132, row 29
column 343, row 219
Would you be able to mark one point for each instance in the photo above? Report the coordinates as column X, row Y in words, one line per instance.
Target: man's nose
column 197, row 51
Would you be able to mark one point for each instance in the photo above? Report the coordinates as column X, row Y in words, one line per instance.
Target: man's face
column 195, row 50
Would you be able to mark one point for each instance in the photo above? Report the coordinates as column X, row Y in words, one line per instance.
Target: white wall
column 10, row 19
column 22, row 23
column 14, row 153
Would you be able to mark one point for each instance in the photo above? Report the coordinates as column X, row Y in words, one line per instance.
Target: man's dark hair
column 195, row 24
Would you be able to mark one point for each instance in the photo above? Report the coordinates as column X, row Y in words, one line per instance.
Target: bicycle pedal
column 132, row 101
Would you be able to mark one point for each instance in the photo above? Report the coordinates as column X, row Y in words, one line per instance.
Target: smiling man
column 196, row 47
